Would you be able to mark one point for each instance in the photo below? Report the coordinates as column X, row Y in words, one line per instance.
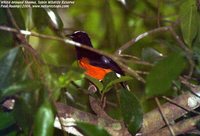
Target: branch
column 66, row 112
column 172, row 102
column 179, row 128
column 164, row 118
column 181, row 44
column 70, row 42
column 62, row 121
column 134, row 60
column 187, row 50
column 139, row 37
column 153, row 120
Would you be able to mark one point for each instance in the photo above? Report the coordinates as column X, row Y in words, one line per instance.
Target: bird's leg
column 103, row 101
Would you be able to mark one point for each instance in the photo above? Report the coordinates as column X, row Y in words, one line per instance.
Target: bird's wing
column 107, row 63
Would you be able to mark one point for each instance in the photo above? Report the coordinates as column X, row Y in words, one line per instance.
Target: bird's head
column 81, row 37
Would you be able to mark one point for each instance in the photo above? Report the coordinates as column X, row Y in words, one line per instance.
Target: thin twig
column 184, row 108
column 142, row 72
column 191, row 86
column 187, row 50
column 135, row 59
column 21, row 37
column 156, row 30
column 158, row 13
column 164, row 118
column 130, row 56
column 131, row 72
column 183, row 46
column 171, row 112
column 182, row 127
column 177, row 38
column 60, row 121
column 23, row 41
column 14, row 23
column 140, row 62
column 139, row 37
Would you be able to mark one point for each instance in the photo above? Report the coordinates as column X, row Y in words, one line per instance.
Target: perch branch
column 70, row 42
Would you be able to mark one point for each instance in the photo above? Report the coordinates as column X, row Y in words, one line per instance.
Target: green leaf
column 17, row 15
column 151, row 55
column 96, row 82
column 109, row 77
column 47, row 17
column 6, row 38
column 54, row 19
column 6, row 120
column 19, row 87
column 44, row 120
column 6, row 65
column 92, row 130
column 189, row 21
column 196, row 52
column 28, row 18
column 196, row 42
column 131, row 111
column 3, row 16
column 73, row 74
column 129, row 4
column 116, row 81
column 163, row 73
column 40, row 18
column 10, row 133
column 23, row 115
column 198, row 124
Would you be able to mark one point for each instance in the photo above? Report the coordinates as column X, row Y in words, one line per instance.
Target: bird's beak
column 69, row 35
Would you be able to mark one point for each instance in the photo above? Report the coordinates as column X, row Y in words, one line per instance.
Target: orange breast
column 93, row 71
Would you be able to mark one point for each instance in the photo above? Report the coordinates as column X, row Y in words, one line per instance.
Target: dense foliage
column 37, row 72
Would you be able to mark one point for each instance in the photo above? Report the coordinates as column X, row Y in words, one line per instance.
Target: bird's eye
column 79, row 36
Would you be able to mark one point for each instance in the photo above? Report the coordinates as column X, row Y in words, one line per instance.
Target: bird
column 95, row 65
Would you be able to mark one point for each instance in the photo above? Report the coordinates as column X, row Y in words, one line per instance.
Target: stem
column 164, row 118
